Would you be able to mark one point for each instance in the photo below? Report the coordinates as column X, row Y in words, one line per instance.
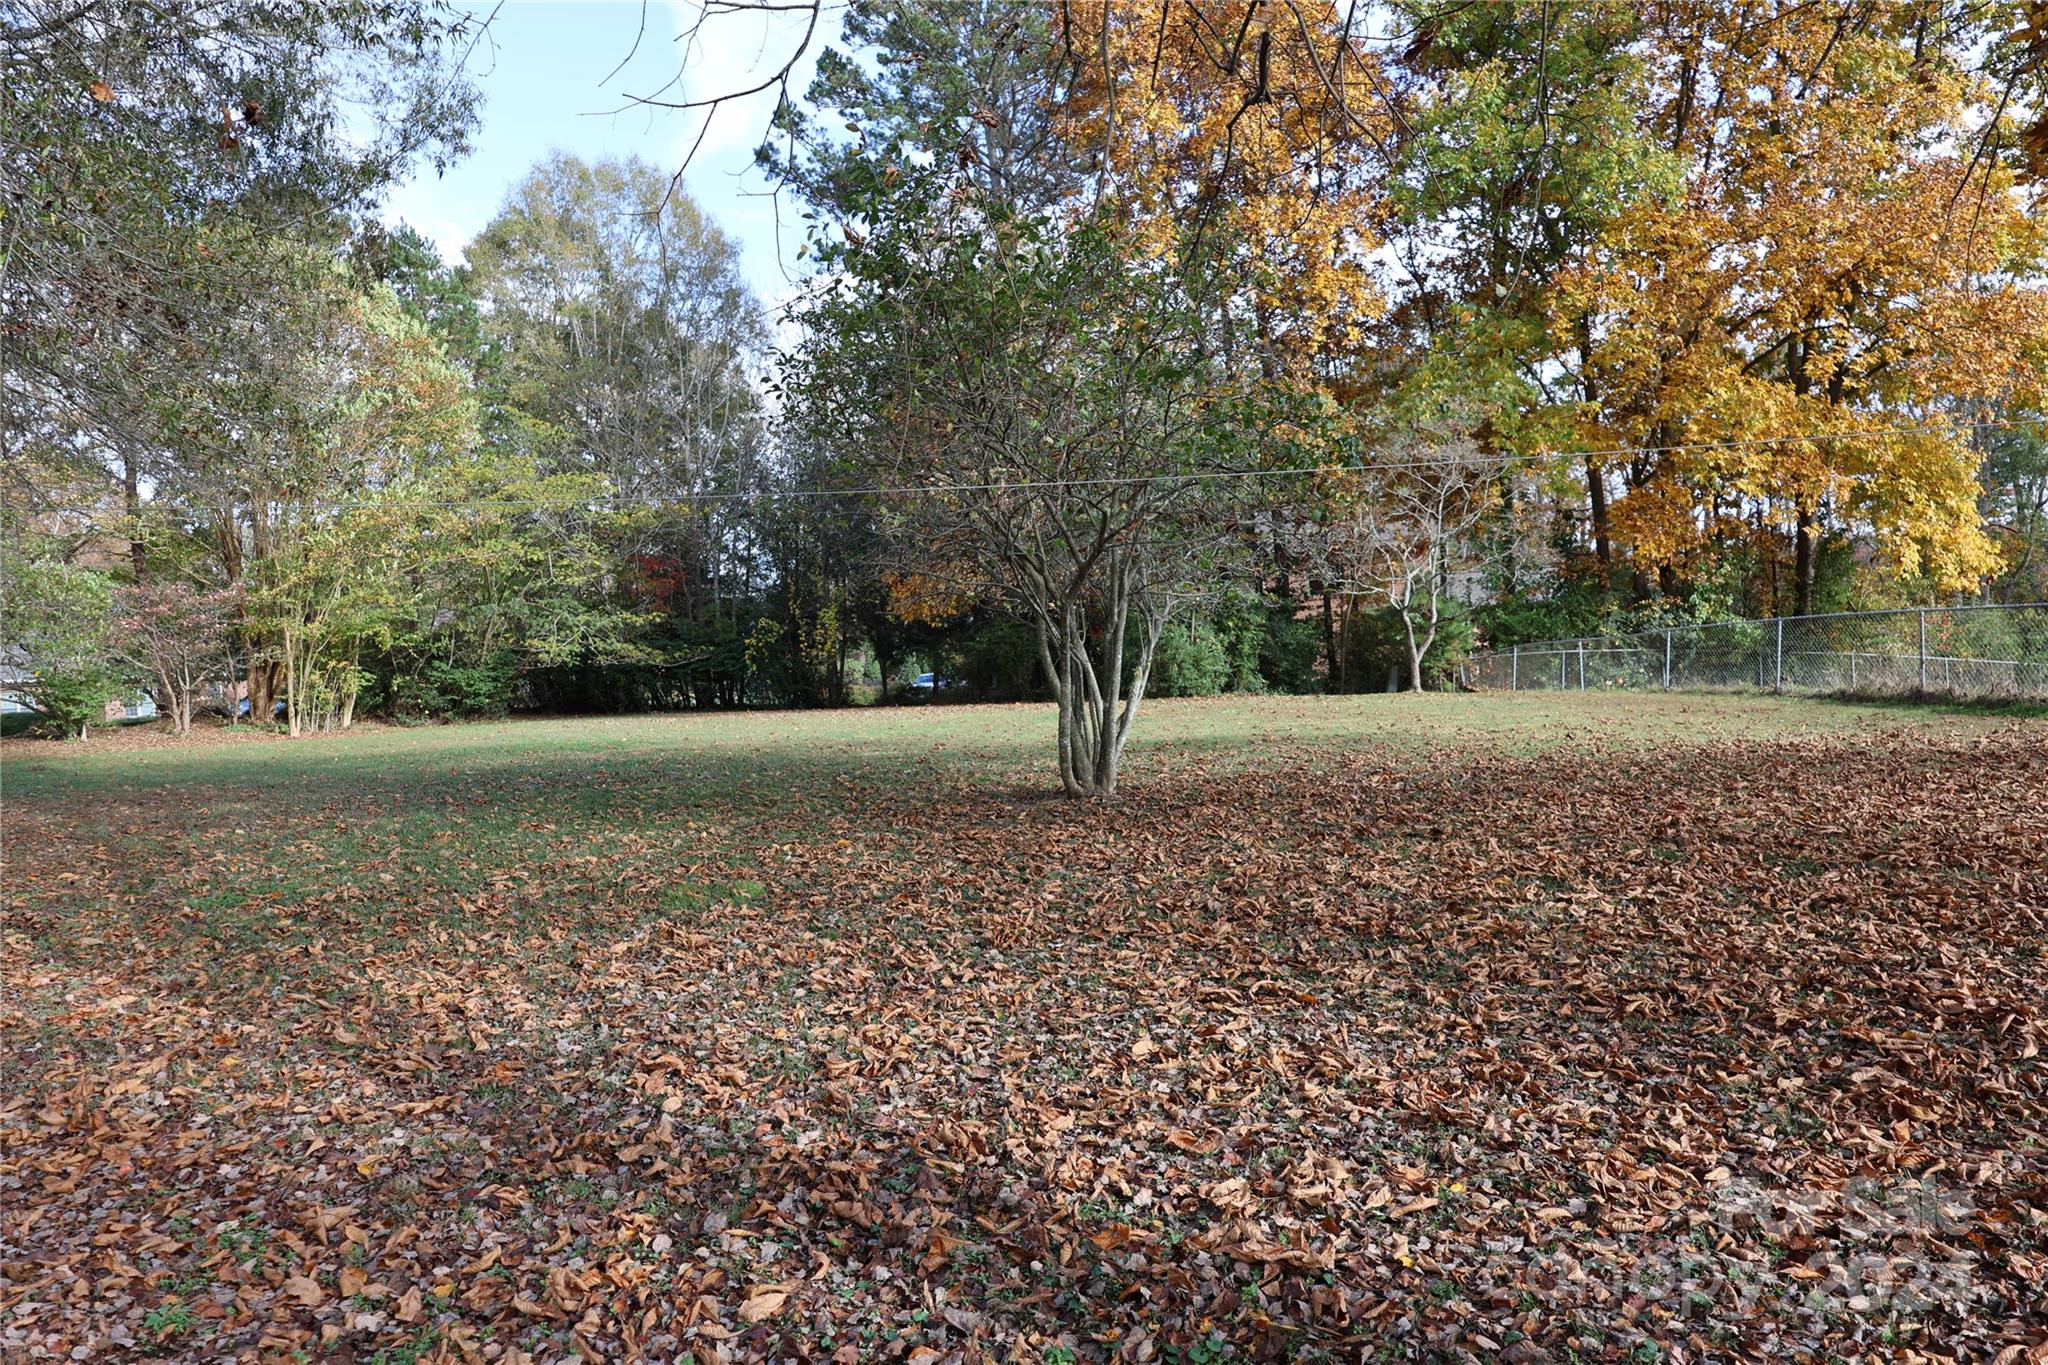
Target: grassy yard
column 1535, row 1028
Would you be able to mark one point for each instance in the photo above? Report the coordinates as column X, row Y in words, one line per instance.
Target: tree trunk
column 1417, row 649
column 1805, row 562
column 1330, row 645
column 131, row 493
column 179, row 700
column 294, row 686
column 262, row 687
column 1596, row 497
column 1095, row 709
column 1511, row 559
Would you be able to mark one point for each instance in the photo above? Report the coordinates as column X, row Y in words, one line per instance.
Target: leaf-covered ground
column 1566, row 1028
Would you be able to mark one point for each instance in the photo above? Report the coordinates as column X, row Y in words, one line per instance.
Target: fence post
column 1515, row 669
column 1779, row 684
column 1564, row 669
column 1923, row 650
column 1667, row 658
column 1582, row 665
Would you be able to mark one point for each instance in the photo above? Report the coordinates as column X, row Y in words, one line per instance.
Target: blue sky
column 546, row 74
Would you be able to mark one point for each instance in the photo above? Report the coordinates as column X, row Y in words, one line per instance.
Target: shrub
column 997, row 658
column 1288, row 651
column 1191, row 661
column 70, row 699
column 1241, row 624
column 1571, row 607
column 58, row 621
column 442, row 690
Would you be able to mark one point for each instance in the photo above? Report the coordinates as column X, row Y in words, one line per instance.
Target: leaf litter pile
column 1708, row 1051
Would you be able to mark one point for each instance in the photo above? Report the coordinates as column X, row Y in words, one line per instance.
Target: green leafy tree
column 440, row 295
column 2014, row 475
column 507, row 569
column 618, row 317
column 57, row 636
column 1527, row 142
column 1054, row 398
column 621, row 342
column 131, row 135
column 364, row 400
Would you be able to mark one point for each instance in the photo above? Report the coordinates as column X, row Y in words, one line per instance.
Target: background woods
column 1131, row 341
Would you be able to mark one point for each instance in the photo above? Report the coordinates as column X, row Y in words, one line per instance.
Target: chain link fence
column 1974, row 651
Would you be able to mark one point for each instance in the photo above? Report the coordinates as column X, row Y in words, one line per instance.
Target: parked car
column 931, row 684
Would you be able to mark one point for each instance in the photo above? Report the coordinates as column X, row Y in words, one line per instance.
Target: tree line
column 1157, row 346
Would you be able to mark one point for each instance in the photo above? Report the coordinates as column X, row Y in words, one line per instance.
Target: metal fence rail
column 1973, row 651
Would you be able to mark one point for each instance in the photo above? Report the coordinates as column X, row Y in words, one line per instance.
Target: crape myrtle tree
column 1059, row 321
column 1042, row 406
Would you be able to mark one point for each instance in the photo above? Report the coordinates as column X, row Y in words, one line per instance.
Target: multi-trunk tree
column 1044, row 412
column 175, row 635
column 1407, row 531
column 362, row 401
column 1060, row 298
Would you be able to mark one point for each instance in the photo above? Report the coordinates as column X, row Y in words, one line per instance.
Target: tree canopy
column 1341, row 337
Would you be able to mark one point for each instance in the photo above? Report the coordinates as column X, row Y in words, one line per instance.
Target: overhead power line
column 616, row 503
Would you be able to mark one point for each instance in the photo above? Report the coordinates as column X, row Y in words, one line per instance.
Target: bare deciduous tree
column 1412, row 530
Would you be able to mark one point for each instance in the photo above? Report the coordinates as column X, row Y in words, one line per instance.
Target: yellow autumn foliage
column 1238, row 126
column 1842, row 262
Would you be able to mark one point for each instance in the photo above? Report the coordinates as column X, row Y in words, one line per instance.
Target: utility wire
column 615, row 503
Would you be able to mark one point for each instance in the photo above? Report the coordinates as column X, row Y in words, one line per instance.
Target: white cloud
column 449, row 237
